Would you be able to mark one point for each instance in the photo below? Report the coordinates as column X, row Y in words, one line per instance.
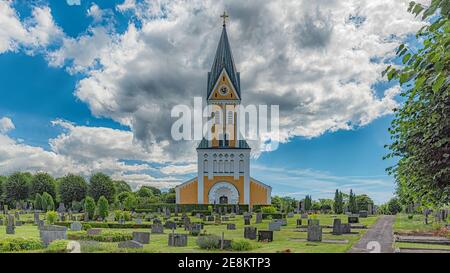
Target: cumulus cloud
column 6, row 125
column 179, row 169
column 318, row 60
column 34, row 33
column 83, row 150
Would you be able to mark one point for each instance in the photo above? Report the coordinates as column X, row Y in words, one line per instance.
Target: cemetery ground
column 288, row 239
column 412, row 234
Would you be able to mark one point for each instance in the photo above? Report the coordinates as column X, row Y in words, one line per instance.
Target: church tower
column 223, row 156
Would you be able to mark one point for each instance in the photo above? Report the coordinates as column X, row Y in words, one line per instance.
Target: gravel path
column 379, row 238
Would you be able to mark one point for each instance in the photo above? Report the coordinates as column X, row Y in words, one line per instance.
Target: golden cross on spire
column 224, row 16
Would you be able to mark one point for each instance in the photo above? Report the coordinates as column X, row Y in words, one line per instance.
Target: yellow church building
column 224, row 160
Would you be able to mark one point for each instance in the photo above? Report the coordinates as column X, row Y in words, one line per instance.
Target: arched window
column 221, row 166
column 215, row 166
column 227, row 166
column 241, row 166
column 205, row 166
column 231, row 166
column 230, row 117
column 217, row 117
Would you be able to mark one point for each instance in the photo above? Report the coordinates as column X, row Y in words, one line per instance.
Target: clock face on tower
column 223, row 90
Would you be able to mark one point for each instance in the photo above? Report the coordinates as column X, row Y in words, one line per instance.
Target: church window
column 231, row 166
column 230, row 117
column 226, row 167
column 221, row 166
column 205, row 166
column 241, row 166
column 215, row 166
column 217, row 117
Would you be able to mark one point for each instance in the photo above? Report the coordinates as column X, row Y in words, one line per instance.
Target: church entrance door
column 223, row 200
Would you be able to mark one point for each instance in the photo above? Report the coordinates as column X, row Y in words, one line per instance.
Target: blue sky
column 75, row 89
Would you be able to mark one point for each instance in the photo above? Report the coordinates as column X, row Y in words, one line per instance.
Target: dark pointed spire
column 223, row 59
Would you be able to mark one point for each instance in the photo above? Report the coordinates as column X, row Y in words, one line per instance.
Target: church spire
column 223, row 60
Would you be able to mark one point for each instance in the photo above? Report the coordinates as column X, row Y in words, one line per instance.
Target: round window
column 223, row 90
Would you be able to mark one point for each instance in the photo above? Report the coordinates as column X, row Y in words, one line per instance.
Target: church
column 223, row 175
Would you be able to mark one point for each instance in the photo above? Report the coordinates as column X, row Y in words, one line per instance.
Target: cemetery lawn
column 416, row 225
column 288, row 239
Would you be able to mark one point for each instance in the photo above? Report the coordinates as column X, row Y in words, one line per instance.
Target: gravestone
column 314, row 233
column 210, row 218
column 265, row 236
column 231, row 226
column 258, row 218
column 130, row 244
column 337, row 229
column 19, row 223
column 225, row 210
column 313, row 222
column 76, row 226
column 139, row 221
column 86, row 216
column 1, row 221
column 346, row 228
column 250, row 233
column 177, row 239
column 195, row 229
column 247, row 221
column 225, row 218
column 157, row 228
column 61, row 208
column 283, row 221
column 36, row 217
column 370, row 209
column 232, row 215
column 299, row 222
column 141, row 237
column 51, row 233
column 121, row 221
column 275, row 226
column 217, row 220
column 62, row 217
column 290, row 214
column 41, row 223
column 156, row 221
column 17, row 215
column 170, row 225
column 94, row 231
column 353, row 219
column 363, row 213
column 304, row 215
column 10, row 227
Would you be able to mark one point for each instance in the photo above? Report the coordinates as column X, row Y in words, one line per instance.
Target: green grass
column 415, row 245
column 282, row 239
column 417, row 224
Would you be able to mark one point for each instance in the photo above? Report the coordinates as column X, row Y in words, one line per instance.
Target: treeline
column 342, row 202
column 46, row 192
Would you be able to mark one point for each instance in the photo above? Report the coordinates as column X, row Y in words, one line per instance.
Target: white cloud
column 317, row 60
column 6, row 125
column 36, row 32
column 179, row 169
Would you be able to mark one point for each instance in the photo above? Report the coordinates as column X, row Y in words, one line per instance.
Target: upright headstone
column 51, row 233
column 337, row 229
column 130, row 244
column 353, row 219
column 275, row 225
column 157, row 228
column 290, row 214
column 314, row 233
column 258, row 218
column 10, row 225
column 265, row 236
column 36, row 217
column 250, row 233
column 231, row 226
column 141, row 237
column 76, row 226
column 299, row 222
column 17, row 215
column 246, row 221
column 177, row 239
column 61, row 208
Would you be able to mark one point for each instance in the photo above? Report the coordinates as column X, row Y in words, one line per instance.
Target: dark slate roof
column 224, row 59
column 204, row 145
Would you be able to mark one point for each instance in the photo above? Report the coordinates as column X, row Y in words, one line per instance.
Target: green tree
column 72, row 188
column 3, row 180
column 130, row 202
column 43, row 182
column 394, row 206
column 122, row 196
column 144, row 192
column 121, row 186
column 89, row 207
column 48, row 203
column 352, row 205
column 16, row 188
column 420, row 129
column 338, row 202
column 154, row 190
column 103, row 207
column 363, row 201
column 101, row 184
column 308, row 202
column 38, row 202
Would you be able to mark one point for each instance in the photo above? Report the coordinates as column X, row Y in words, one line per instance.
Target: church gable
column 224, row 89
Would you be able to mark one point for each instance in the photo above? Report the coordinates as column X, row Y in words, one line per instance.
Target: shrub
column 104, row 236
column 77, row 206
column 241, row 245
column 47, row 202
column 50, row 217
column 38, row 201
column 103, row 207
column 126, row 215
column 58, row 246
column 268, row 209
column 86, row 226
column 130, row 202
column 20, row 244
column 208, row 242
column 118, row 214
column 89, row 207
column 272, row 215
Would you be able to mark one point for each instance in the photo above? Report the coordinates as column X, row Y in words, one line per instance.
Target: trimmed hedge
column 58, row 246
column 20, row 244
column 187, row 207
column 104, row 236
column 106, row 225
column 274, row 215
